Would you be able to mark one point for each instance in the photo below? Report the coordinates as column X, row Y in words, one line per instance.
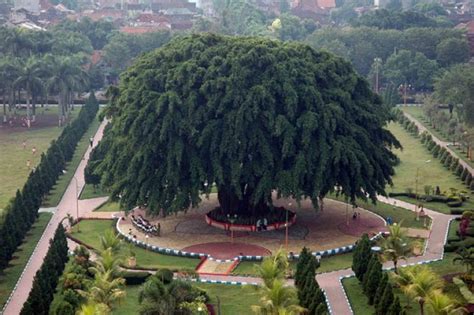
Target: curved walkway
column 443, row 144
column 434, row 250
column 65, row 206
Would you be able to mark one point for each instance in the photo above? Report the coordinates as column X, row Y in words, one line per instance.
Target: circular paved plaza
column 318, row 231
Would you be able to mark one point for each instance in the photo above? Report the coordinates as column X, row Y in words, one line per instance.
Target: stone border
column 176, row 252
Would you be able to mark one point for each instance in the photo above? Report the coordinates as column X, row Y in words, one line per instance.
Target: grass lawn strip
column 109, row 206
column 59, row 188
column 91, row 230
column 13, row 157
column 414, row 157
column 417, row 113
column 89, row 192
column 234, row 299
column 10, row 275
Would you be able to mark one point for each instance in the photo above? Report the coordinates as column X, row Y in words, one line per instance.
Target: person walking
column 91, row 141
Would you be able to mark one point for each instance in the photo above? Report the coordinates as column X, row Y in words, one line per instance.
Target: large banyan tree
column 249, row 116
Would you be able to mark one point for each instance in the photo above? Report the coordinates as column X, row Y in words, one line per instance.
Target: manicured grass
column 13, row 157
column 130, row 304
column 109, row 206
column 385, row 210
column 414, row 157
column 91, row 230
column 59, row 188
column 10, row 275
column 234, row 299
column 331, row 263
column 453, row 228
column 88, row 192
column 417, row 113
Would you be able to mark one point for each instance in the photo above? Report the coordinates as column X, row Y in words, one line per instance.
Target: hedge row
column 375, row 283
column 46, row 279
column 22, row 210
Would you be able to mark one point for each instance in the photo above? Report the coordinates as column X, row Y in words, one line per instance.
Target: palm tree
column 155, row 298
column 404, row 278
column 108, row 261
column 396, row 246
column 278, row 299
column 92, row 308
column 66, row 76
column 441, row 304
column 30, row 77
column 105, row 289
column 273, row 268
column 111, row 240
column 424, row 284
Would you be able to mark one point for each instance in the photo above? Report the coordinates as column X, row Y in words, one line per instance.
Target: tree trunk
column 4, row 107
column 422, row 308
column 230, row 202
column 28, row 109
column 395, row 269
column 33, row 104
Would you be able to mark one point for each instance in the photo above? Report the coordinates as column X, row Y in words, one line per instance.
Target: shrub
column 456, row 211
column 165, row 275
column 452, row 247
column 431, row 144
column 455, row 204
column 464, row 174
column 471, row 185
column 443, row 155
column 468, row 179
column 135, row 278
column 459, row 170
column 448, row 161
column 436, row 151
column 454, row 165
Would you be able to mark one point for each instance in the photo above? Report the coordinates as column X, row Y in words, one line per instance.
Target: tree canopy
column 249, row 115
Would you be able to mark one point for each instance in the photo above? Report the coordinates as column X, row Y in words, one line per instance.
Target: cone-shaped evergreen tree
column 373, row 259
column 387, row 299
column 361, row 256
column 395, row 308
column 303, row 259
column 373, row 280
column 380, row 290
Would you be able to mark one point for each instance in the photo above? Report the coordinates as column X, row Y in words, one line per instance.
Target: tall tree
column 250, row 115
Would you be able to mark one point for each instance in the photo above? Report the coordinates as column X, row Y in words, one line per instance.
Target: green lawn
column 417, row 113
column 13, row 157
column 89, row 192
column 109, row 206
column 59, row 188
column 385, row 210
column 331, row 263
column 359, row 301
column 233, row 299
column 414, row 158
column 453, row 228
column 10, row 275
column 91, row 230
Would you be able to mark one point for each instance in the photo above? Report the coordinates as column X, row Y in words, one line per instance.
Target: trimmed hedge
column 455, row 204
column 454, row 246
column 135, row 278
column 468, row 179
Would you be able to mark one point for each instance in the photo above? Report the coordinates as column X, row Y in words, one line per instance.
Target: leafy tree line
column 46, row 279
column 428, row 49
column 22, row 210
column 248, row 114
column 35, row 66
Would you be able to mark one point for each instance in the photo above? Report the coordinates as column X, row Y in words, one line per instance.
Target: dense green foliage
column 250, row 115
column 360, row 256
column 22, row 210
column 310, row 295
column 98, row 32
column 46, row 279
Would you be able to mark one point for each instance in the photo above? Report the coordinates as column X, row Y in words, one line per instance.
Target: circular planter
column 248, row 227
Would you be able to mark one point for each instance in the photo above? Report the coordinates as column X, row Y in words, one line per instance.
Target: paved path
column 66, row 205
column 443, row 144
column 330, row 282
